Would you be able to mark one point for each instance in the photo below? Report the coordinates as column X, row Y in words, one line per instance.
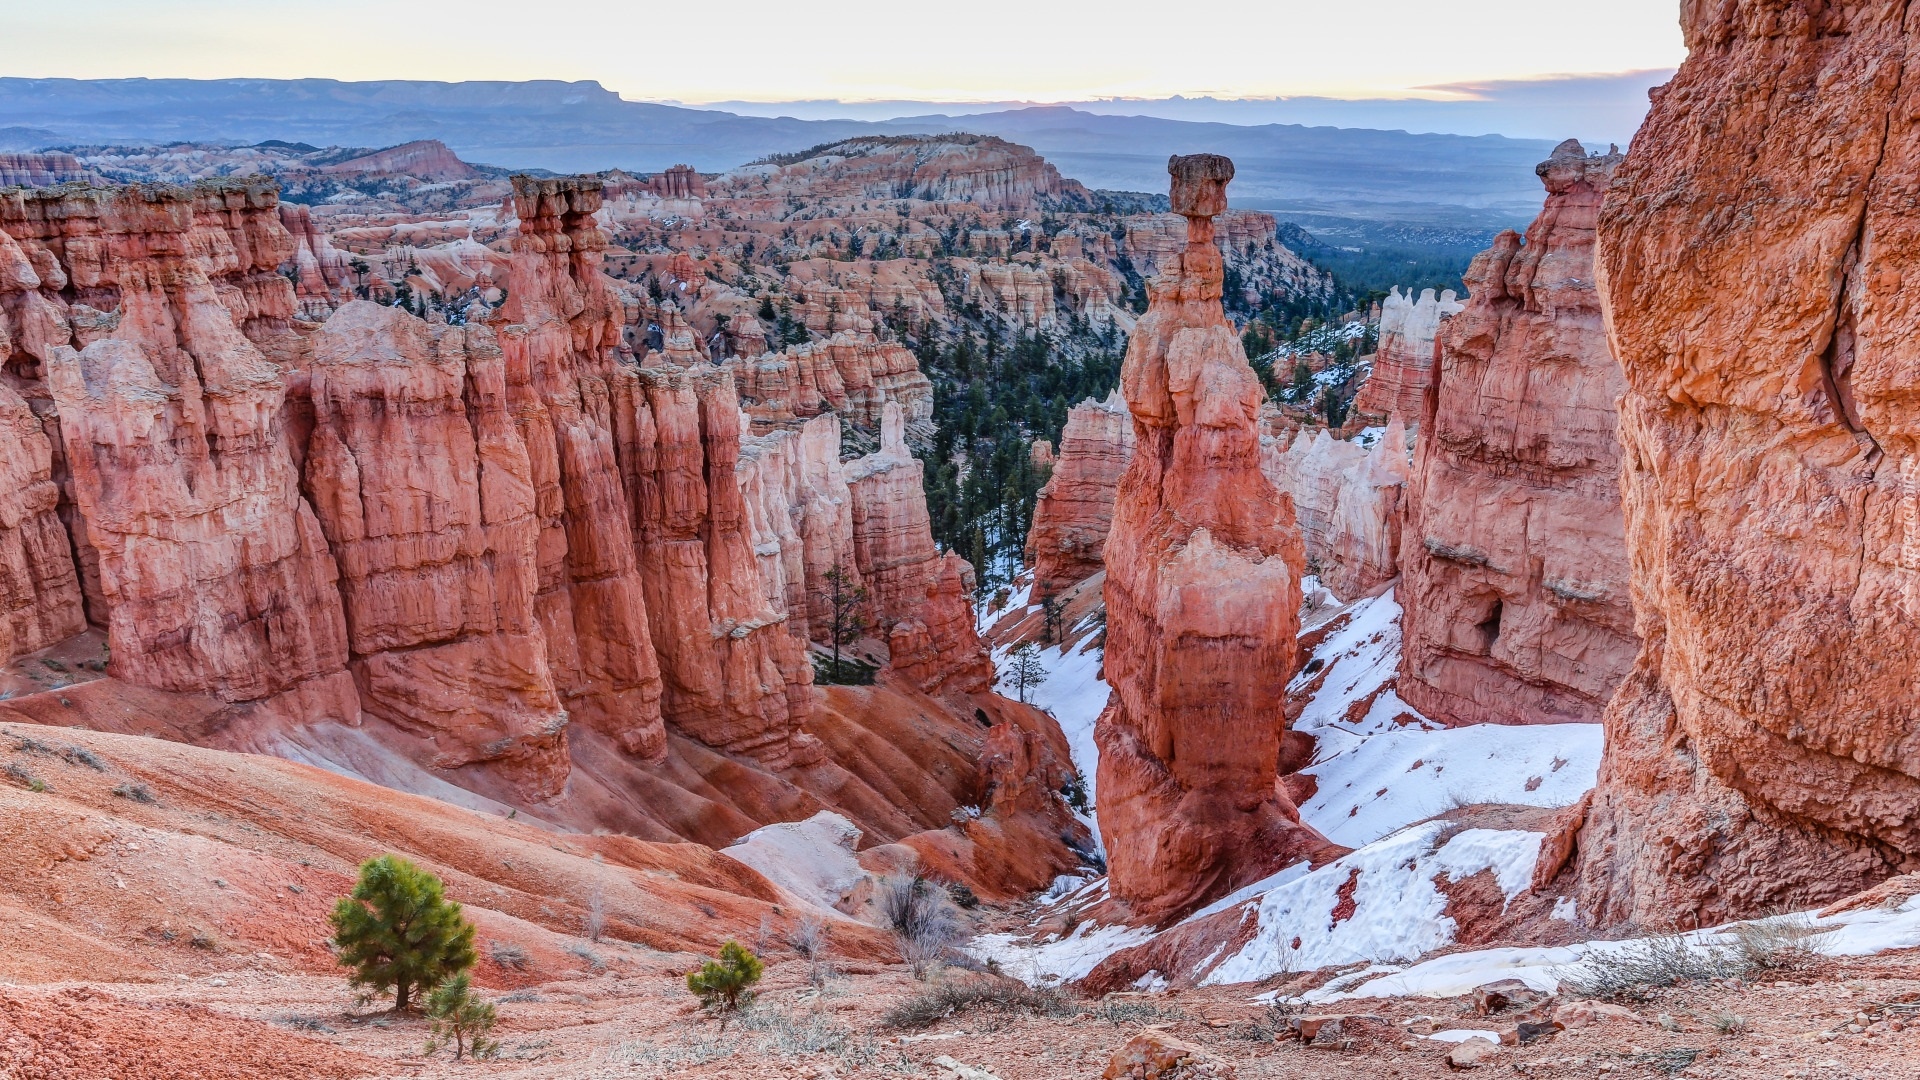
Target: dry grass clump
column 957, row 997
column 1777, row 943
column 1634, row 971
column 923, row 919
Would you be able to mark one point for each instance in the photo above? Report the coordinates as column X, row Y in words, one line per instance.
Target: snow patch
column 1392, row 767
column 1377, row 903
column 1062, row 959
column 1460, row 1035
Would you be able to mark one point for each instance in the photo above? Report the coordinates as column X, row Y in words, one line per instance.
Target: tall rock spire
column 1203, row 597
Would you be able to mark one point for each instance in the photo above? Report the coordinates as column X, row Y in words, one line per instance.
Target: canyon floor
column 632, row 1017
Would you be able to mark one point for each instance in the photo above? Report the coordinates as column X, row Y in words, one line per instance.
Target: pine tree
column 847, row 598
column 459, row 1019
column 725, row 983
column 398, row 932
column 978, row 556
column 1335, row 409
column 1027, row 670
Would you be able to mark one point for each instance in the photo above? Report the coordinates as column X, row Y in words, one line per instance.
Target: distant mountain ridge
column 583, row 126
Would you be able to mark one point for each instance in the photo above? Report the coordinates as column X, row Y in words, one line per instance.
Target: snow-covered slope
column 1382, row 773
column 1392, row 767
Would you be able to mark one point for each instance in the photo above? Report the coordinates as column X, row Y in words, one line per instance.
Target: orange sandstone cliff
column 1203, row 601
column 1516, row 568
column 1067, row 541
column 214, row 572
column 1754, row 253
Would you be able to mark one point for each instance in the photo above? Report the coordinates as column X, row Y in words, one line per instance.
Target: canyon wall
column 852, row 374
column 1753, row 256
column 1349, row 499
column 979, row 169
column 477, row 534
column 1203, row 601
column 423, row 488
column 1403, row 360
column 559, row 335
column 1067, row 541
column 212, row 571
column 39, row 588
column 1516, row 596
column 43, row 169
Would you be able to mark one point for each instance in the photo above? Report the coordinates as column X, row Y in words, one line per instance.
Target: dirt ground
column 635, row 1019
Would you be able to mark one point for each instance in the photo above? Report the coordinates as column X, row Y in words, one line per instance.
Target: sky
column 859, row 50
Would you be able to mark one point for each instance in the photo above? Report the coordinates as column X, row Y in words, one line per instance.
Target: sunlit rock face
column 1754, row 251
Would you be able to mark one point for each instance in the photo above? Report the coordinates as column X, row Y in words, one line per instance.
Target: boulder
column 1153, row 1055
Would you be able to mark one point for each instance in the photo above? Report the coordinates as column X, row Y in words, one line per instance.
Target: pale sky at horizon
column 781, row 50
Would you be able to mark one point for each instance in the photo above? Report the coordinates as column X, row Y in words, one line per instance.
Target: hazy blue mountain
column 582, row 126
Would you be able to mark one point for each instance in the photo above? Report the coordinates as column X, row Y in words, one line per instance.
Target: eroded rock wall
column 147, row 334
column 1754, row 252
column 423, row 487
column 510, row 548
column 1204, row 563
column 1516, row 596
column 851, row 374
column 559, row 335
column 1350, row 502
column 1403, row 360
column 1067, row 542
column 39, row 588
column 735, row 678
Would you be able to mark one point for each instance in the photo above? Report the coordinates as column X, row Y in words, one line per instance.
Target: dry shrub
column 922, row 918
column 959, row 996
column 1634, row 971
column 1776, row 943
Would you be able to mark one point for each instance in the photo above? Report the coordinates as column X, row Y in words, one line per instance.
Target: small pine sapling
column 726, row 983
column 460, row 1020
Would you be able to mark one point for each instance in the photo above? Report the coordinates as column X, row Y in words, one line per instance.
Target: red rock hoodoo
column 1754, row 251
column 919, row 595
column 1203, row 600
column 560, row 336
column 1068, row 539
column 1403, row 362
column 1516, row 593
column 678, row 182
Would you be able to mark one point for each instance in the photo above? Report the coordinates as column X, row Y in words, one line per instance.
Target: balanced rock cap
column 1200, row 183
